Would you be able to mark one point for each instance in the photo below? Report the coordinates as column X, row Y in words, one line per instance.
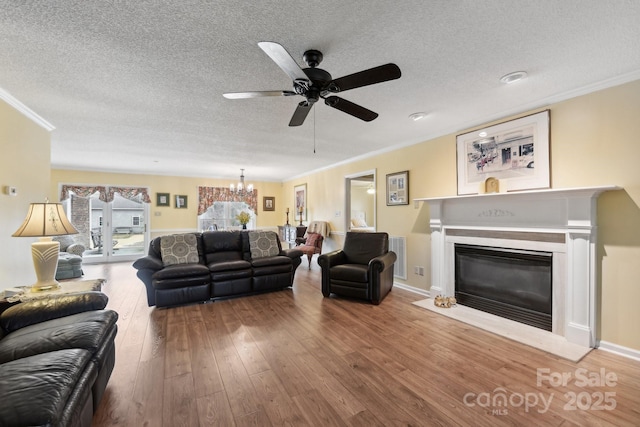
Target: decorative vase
column 244, row 226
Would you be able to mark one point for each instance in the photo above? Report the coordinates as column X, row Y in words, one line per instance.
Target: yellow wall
column 594, row 141
column 171, row 219
column 24, row 162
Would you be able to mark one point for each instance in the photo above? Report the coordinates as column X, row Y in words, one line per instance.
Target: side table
column 66, row 287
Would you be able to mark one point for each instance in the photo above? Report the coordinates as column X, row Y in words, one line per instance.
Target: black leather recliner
column 362, row 269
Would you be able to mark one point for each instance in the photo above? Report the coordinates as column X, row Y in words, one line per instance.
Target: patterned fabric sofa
column 196, row 267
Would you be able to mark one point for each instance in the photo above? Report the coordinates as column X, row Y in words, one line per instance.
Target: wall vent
column 399, row 246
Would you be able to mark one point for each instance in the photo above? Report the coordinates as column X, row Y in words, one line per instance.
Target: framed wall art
column 268, row 204
column 181, row 202
column 163, row 199
column 515, row 153
column 398, row 188
column 300, row 197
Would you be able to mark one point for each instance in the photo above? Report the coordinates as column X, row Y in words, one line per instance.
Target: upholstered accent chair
column 312, row 246
column 70, row 258
column 363, row 268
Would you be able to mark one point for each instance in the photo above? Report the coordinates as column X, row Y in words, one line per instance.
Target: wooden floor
column 295, row 358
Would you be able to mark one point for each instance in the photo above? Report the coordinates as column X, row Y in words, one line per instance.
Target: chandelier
column 241, row 189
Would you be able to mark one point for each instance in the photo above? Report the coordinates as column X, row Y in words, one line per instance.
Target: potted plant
column 243, row 217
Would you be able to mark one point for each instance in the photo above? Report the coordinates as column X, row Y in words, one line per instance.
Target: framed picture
column 181, row 202
column 300, row 197
column 398, row 188
column 163, row 199
column 515, row 153
column 268, row 203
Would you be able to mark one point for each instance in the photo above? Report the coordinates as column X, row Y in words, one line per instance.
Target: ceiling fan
column 314, row 83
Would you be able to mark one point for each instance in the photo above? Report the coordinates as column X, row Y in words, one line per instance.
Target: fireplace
column 515, row 284
column 557, row 224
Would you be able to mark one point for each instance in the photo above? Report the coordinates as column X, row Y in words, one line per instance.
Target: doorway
column 110, row 231
column 360, row 201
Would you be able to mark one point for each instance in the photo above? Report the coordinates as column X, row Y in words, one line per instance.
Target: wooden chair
column 312, row 245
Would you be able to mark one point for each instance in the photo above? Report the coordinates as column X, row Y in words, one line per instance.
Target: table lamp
column 45, row 220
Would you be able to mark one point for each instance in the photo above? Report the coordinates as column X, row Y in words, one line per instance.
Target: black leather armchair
column 362, row 269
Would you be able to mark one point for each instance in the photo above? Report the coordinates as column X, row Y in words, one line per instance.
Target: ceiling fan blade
column 301, row 113
column 371, row 76
column 350, row 108
column 259, row 94
column 281, row 57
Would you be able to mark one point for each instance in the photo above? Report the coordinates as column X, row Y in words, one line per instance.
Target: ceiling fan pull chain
column 314, row 131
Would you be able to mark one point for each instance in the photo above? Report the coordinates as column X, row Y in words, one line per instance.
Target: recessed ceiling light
column 482, row 134
column 513, row 77
column 417, row 116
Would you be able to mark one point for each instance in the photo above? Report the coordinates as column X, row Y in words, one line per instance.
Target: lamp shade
column 45, row 219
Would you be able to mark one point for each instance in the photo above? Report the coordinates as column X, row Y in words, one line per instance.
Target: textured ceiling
column 136, row 86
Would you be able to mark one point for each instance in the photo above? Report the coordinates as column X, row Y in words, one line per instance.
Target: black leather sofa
column 225, row 268
column 56, row 357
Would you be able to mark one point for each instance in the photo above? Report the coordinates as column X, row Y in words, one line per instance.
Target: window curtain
column 129, row 193
column 207, row 196
column 106, row 193
column 83, row 191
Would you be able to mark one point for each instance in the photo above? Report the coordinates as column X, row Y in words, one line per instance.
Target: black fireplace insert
column 515, row 284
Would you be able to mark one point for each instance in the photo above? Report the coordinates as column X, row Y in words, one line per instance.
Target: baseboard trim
column 619, row 350
column 421, row 292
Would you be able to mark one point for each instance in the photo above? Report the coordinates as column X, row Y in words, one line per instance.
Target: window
column 222, row 216
column 135, row 221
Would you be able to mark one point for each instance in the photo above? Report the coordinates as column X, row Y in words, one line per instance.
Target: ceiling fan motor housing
column 312, row 58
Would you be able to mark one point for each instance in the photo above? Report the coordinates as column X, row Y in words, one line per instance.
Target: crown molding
column 11, row 100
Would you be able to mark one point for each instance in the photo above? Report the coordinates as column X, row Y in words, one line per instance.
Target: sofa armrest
column 291, row 253
column 382, row 262
column 75, row 249
column 328, row 260
column 52, row 307
column 148, row 263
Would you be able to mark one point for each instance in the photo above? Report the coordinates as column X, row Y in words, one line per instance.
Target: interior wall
column 24, row 164
column 168, row 219
column 593, row 142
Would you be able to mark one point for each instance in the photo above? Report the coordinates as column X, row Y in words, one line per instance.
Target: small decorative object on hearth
column 287, row 216
column 444, row 302
column 243, row 217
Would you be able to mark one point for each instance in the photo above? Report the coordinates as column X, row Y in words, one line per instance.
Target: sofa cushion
column 179, row 249
column 177, row 271
column 229, row 266
column 88, row 330
column 46, row 389
column 52, row 307
column 263, row 244
column 350, row 273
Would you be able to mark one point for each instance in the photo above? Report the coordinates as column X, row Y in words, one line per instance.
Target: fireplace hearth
column 515, row 284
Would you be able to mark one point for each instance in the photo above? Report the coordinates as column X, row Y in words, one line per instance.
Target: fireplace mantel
column 562, row 221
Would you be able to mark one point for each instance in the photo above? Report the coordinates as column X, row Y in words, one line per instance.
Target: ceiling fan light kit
column 314, row 83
